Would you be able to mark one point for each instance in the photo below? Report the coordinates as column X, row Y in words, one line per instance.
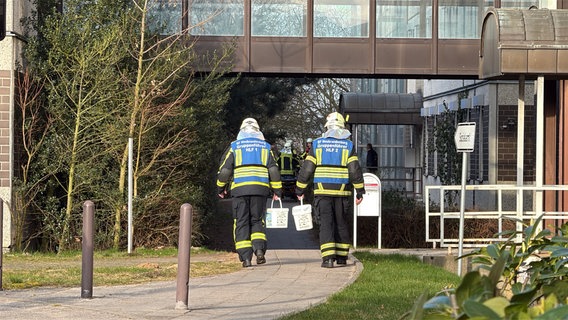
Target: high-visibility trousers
column 334, row 236
column 249, row 230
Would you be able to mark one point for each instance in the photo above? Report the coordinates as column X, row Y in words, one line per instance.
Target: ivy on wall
column 448, row 159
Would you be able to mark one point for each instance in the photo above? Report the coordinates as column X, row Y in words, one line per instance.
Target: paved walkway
column 292, row 280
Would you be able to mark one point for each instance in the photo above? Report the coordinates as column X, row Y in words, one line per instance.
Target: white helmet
column 250, row 123
column 309, row 140
column 288, row 144
column 335, row 120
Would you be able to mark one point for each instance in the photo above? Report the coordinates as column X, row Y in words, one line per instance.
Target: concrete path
column 292, row 280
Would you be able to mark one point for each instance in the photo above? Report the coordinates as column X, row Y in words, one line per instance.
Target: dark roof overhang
column 382, row 108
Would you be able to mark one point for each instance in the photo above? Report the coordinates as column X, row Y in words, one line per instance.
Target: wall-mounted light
column 510, row 124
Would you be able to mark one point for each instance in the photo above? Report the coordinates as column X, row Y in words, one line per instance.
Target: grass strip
column 24, row 270
column 386, row 288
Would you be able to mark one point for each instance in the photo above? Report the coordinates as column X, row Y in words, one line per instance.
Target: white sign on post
column 370, row 207
column 465, row 141
column 465, row 136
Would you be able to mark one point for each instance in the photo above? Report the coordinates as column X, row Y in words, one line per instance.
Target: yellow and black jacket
column 251, row 165
column 288, row 164
column 334, row 166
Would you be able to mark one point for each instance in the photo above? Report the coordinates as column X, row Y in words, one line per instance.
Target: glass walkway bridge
column 367, row 38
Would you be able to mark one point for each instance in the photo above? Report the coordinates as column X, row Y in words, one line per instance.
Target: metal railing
column 519, row 214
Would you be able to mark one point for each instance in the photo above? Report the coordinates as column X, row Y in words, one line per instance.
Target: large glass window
column 216, row 17
column 341, row 18
column 164, row 16
column 279, row 18
column 461, row 19
column 404, row 19
column 378, row 85
column 388, row 142
column 522, row 4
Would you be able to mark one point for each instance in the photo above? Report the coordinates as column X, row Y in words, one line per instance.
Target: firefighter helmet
column 335, row 120
column 250, row 123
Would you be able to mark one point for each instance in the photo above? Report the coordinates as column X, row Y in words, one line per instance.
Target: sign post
column 370, row 207
column 465, row 141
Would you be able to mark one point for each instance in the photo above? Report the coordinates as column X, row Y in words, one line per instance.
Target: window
column 388, row 141
column 216, row 17
column 461, row 19
column 341, row 18
column 518, row 4
column 404, row 19
column 279, row 18
column 164, row 16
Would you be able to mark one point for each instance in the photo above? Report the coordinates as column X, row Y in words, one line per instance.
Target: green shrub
column 513, row 281
column 403, row 223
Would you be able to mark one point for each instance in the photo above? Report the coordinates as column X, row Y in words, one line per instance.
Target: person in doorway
column 372, row 159
column 250, row 162
column 334, row 166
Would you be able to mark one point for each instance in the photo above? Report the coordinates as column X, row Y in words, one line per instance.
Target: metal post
column 520, row 155
column 539, row 164
column 130, row 229
column 355, row 214
column 184, row 247
column 462, row 209
column 87, row 250
column 1, row 239
column 380, row 219
column 355, row 208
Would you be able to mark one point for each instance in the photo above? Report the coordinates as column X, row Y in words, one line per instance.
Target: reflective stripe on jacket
column 251, row 164
column 286, row 164
column 251, row 157
column 334, row 165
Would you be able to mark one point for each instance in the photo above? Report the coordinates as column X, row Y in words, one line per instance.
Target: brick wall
column 479, row 160
column 507, row 159
column 5, row 82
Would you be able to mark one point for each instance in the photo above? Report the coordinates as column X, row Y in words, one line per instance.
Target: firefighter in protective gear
column 250, row 163
column 309, row 143
column 288, row 161
column 289, row 166
column 335, row 168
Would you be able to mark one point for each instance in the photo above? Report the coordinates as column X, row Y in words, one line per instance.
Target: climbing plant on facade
column 448, row 159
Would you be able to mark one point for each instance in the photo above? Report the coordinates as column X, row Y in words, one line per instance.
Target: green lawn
column 25, row 270
column 387, row 288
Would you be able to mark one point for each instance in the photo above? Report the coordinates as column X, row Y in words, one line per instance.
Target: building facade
column 400, row 39
column 10, row 57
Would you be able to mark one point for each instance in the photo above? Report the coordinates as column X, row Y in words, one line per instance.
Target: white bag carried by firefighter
column 276, row 217
column 302, row 216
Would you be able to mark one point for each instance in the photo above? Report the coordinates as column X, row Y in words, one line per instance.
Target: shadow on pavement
column 218, row 231
column 290, row 238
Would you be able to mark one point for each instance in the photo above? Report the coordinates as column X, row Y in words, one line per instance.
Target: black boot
column 327, row 263
column 341, row 260
column 247, row 263
column 260, row 259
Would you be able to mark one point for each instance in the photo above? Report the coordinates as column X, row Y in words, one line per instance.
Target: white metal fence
column 498, row 202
